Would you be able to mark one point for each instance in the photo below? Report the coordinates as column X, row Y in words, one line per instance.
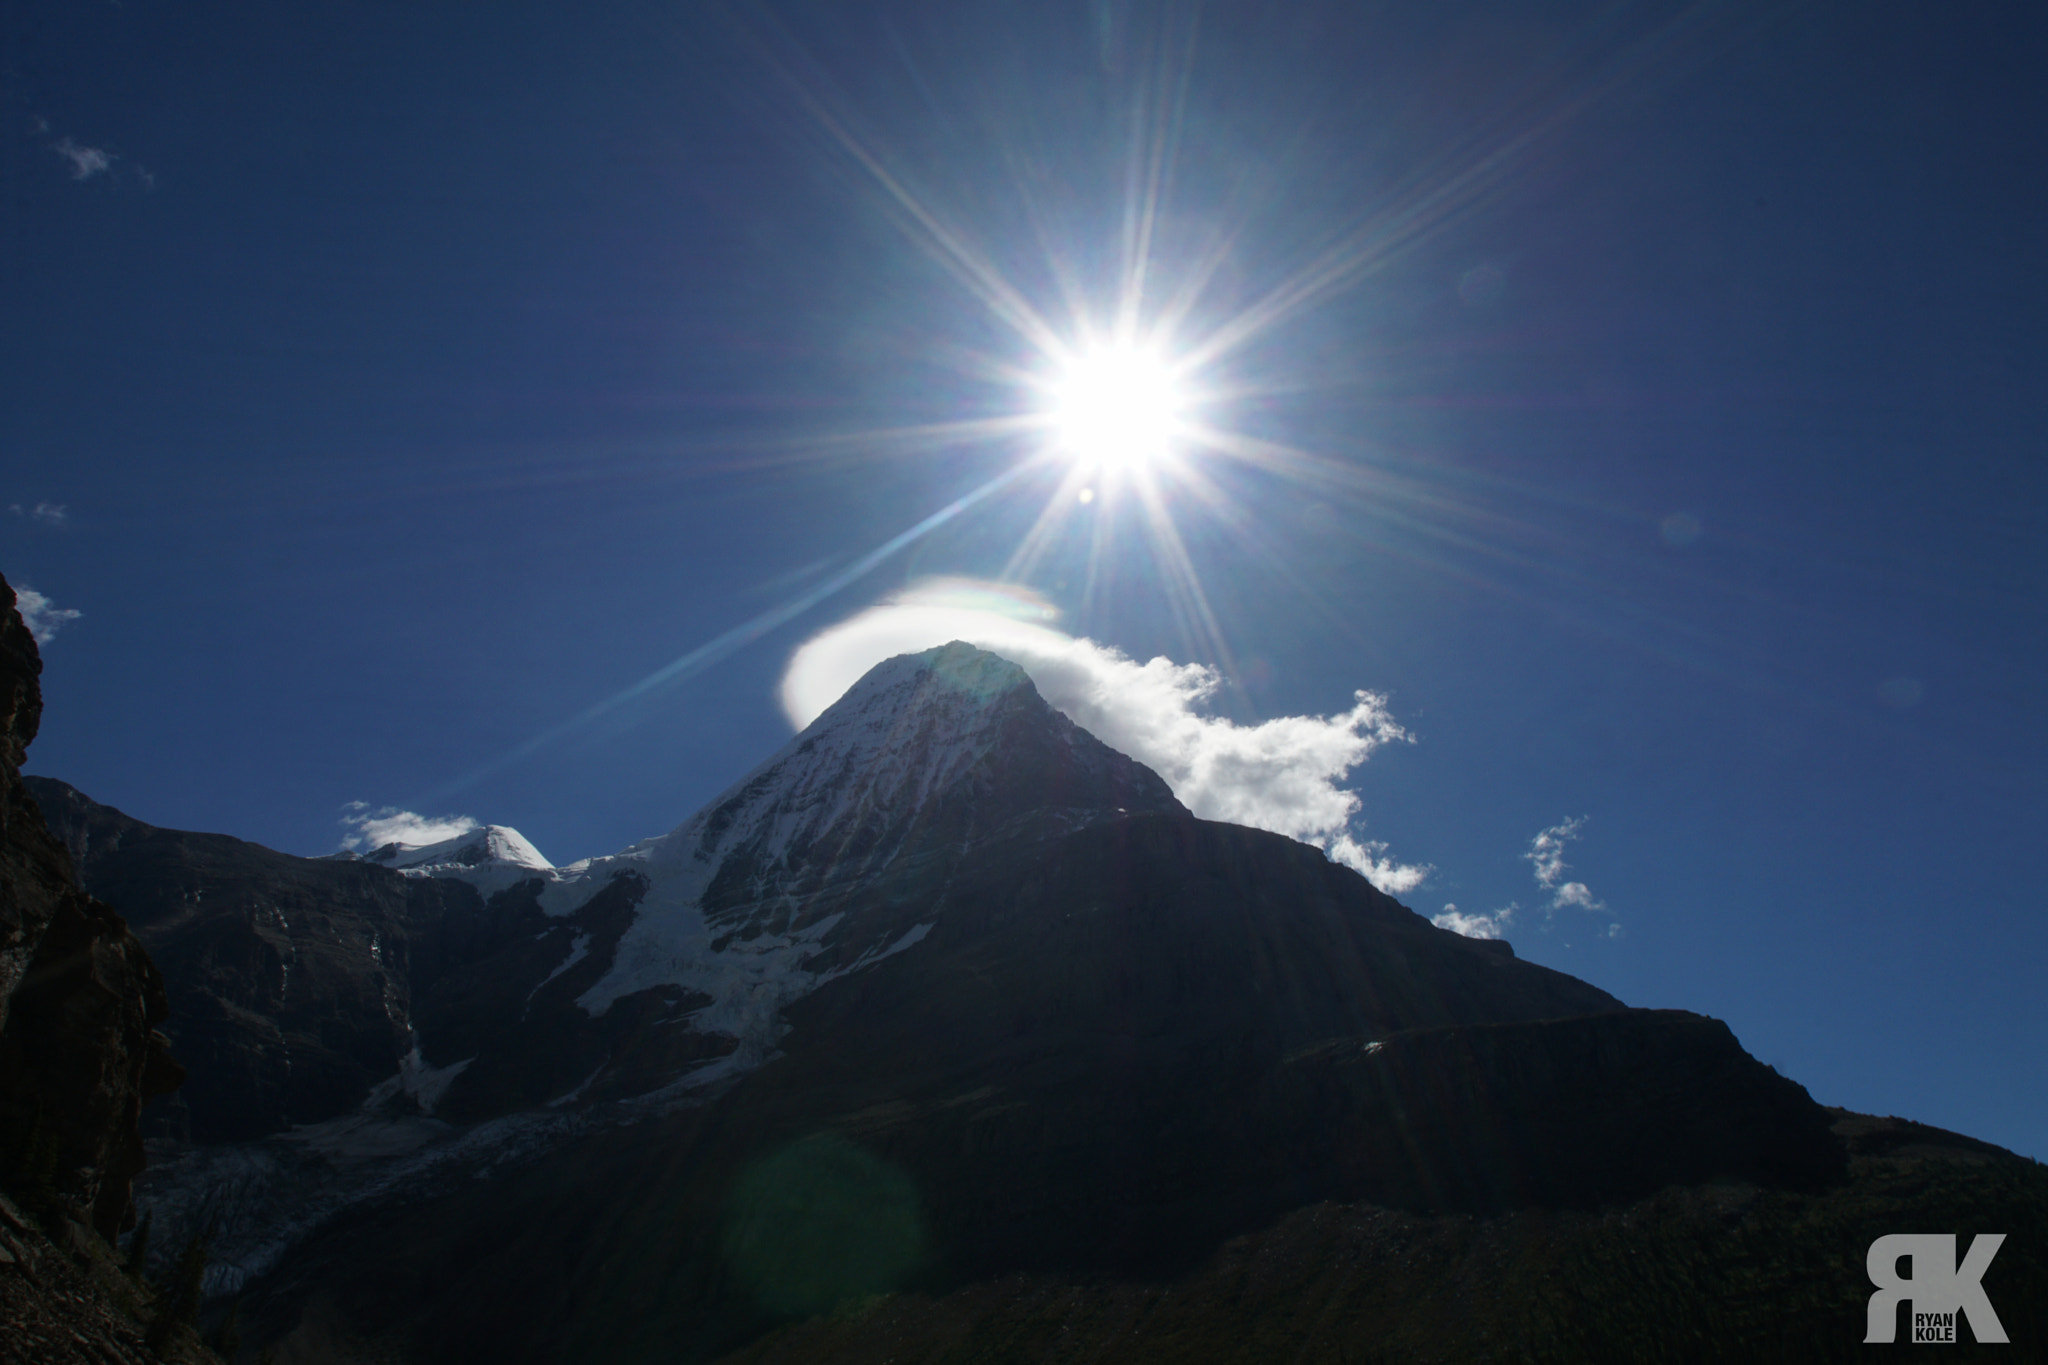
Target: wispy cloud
column 86, row 162
column 49, row 513
column 42, row 616
column 89, row 162
column 373, row 829
column 1546, row 856
column 1494, row 925
column 1284, row 774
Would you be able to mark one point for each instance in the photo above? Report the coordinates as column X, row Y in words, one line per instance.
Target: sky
column 1592, row 464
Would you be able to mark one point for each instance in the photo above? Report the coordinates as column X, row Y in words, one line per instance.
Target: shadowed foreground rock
column 1728, row 1271
column 79, row 1057
column 79, row 998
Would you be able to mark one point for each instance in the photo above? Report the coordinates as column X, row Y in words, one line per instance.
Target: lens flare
column 1117, row 407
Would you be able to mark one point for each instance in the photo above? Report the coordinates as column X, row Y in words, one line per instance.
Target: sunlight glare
column 1117, row 407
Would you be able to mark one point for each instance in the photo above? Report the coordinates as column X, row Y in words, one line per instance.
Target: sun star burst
column 1117, row 407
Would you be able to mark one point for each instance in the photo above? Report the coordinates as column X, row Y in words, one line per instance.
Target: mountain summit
column 926, row 757
column 484, row 846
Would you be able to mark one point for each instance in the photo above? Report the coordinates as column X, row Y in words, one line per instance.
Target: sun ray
column 703, row 656
column 1045, row 530
column 1456, row 180
column 1159, row 108
column 1099, row 391
column 1186, row 595
column 941, row 241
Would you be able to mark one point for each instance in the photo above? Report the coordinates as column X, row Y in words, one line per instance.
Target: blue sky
column 1644, row 400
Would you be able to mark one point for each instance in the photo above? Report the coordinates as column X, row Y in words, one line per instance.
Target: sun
column 1117, row 407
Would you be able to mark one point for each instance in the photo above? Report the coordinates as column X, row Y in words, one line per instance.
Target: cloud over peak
column 372, row 829
column 1283, row 774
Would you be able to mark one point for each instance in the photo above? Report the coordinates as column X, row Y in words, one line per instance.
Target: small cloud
column 86, row 162
column 48, row 513
column 92, row 163
column 1546, row 851
column 1285, row 774
column 1457, row 921
column 372, row 829
column 42, row 616
column 1576, row 893
column 1546, row 856
column 1369, row 859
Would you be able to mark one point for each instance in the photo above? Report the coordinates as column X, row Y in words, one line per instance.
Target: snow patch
column 579, row 948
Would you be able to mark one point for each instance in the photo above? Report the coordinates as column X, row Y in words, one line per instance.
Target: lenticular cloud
column 390, row 825
column 1283, row 774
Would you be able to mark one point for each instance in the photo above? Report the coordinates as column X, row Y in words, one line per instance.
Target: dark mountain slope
column 1113, row 1049
column 1722, row 1272
column 292, row 980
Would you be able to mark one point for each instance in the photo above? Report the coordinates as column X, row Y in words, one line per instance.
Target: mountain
column 943, row 992
column 291, row 980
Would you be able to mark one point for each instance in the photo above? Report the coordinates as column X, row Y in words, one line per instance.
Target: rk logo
column 1937, row 1286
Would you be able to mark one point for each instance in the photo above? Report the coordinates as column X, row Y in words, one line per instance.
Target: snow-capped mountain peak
column 486, row 844
column 925, row 756
column 861, row 778
column 489, row 857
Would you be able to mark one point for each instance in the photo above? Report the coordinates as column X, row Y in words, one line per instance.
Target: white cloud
column 86, row 162
column 42, row 616
column 1546, row 855
column 49, row 513
column 1546, row 851
column 1576, row 893
column 1368, row 858
column 1494, row 925
column 1283, row 774
column 390, row 825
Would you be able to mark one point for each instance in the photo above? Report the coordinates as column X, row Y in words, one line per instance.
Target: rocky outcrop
column 79, row 997
column 34, row 873
column 63, row 1302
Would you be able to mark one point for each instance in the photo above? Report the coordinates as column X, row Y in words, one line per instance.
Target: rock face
column 79, row 997
column 293, row 981
column 944, row 990
column 34, row 874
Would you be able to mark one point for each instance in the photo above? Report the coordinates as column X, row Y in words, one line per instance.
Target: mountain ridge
column 947, row 955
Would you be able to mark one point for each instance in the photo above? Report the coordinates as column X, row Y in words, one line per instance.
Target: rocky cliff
column 79, row 997
column 79, row 1057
